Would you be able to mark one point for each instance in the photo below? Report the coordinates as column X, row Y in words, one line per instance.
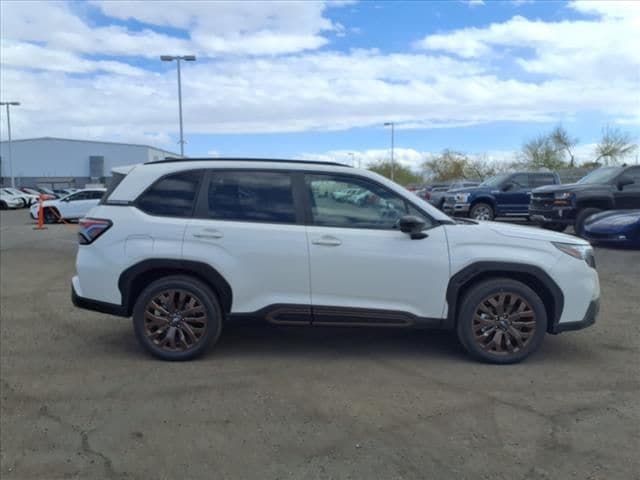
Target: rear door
column 247, row 227
column 363, row 269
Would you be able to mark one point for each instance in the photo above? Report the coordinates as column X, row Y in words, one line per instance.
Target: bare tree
column 541, row 152
column 614, row 146
column 564, row 142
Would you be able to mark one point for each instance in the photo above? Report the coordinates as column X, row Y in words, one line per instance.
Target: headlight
column 562, row 196
column 581, row 252
column 461, row 197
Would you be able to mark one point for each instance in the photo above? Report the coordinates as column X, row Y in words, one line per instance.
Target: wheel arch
column 484, row 199
column 532, row 276
column 133, row 280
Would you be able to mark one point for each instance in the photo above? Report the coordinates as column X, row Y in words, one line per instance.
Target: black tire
column 556, row 227
column 483, row 210
column 471, row 327
column 204, row 297
column 50, row 216
column 581, row 218
column 3, row 206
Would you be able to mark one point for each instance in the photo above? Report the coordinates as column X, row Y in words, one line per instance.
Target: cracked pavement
column 80, row 400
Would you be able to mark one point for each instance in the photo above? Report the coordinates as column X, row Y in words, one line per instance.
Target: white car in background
column 71, row 207
column 10, row 201
column 27, row 198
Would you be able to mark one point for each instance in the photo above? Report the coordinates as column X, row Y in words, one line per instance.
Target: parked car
column 607, row 188
column 24, row 198
column 438, row 194
column 71, row 207
column 178, row 247
column 344, row 195
column 38, row 191
column 614, row 227
column 10, row 201
column 504, row 195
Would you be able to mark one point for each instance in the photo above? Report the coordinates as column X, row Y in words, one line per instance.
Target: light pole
column 177, row 58
column 9, row 104
column 353, row 162
column 392, row 125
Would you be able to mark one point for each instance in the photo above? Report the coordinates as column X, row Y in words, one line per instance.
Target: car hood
column 468, row 190
column 531, row 233
column 611, row 215
column 569, row 187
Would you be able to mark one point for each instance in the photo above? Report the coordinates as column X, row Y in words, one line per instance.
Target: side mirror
column 624, row 180
column 507, row 186
column 413, row 226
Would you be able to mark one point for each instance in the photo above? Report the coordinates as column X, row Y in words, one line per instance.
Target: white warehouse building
column 61, row 162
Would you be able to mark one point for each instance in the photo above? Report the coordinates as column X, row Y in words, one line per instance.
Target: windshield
column 601, row 175
column 495, row 180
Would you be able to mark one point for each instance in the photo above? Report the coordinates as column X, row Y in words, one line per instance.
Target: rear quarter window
column 115, row 180
column 172, row 196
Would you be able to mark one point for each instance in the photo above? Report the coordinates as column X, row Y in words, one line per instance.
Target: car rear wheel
column 482, row 211
column 177, row 318
column 581, row 218
column 501, row 321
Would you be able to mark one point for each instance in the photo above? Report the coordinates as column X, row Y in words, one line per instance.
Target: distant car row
column 541, row 197
column 26, row 196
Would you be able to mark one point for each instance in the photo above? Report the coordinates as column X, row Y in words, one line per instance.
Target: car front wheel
column 501, row 321
column 177, row 318
column 482, row 211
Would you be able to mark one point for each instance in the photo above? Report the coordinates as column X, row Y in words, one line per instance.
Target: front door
column 363, row 269
column 515, row 200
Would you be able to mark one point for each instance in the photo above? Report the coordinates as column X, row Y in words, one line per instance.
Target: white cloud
column 278, row 82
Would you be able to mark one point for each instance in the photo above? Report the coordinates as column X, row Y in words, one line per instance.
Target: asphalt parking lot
column 79, row 398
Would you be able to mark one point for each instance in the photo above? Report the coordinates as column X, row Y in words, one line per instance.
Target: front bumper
column 588, row 320
column 562, row 215
column 456, row 208
column 95, row 305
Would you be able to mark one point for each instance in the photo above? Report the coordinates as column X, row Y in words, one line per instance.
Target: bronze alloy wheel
column 175, row 320
column 503, row 324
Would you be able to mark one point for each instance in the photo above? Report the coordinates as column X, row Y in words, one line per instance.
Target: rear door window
column 250, row 196
column 172, row 196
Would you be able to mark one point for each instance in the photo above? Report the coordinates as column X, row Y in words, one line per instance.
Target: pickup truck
column 608, row 188
column 504, row 195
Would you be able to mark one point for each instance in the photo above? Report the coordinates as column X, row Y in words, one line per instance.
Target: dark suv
column 608, row 188
column 504, row 195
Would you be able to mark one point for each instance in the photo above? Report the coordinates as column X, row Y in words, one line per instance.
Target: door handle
column 207, row 233
column 327, row 241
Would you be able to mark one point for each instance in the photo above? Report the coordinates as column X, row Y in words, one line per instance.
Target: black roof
column 240, row 159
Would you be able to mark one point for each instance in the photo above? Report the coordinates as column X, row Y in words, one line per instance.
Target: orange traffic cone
column 40, row 214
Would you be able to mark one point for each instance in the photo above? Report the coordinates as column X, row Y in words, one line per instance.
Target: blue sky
column 318, row 79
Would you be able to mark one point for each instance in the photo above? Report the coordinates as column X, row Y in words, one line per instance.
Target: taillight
column 92, row 228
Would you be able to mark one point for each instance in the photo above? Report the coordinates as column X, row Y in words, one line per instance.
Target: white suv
column 185, row 246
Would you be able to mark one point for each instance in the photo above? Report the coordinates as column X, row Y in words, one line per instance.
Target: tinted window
column 173, row 195
column 251, row 196
column 634, row 174
column 96, row 195
column 355, row 203
column 541, row 179
column 520, row 181
column 78, row 196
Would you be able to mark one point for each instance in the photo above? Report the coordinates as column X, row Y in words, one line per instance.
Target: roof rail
column 240, row 159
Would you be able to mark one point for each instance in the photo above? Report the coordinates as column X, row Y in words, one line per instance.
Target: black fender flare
column 164, row 266
column 553, row 297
